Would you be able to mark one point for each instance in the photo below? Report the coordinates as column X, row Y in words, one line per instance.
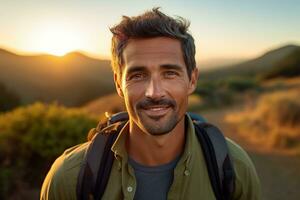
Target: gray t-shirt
column 153, row 182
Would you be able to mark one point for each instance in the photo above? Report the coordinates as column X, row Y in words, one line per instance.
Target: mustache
column 153, row 102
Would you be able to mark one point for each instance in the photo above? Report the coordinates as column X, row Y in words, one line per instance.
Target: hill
column 71, row 80
column 253, row 67
column 287, row 67
column 76, row 79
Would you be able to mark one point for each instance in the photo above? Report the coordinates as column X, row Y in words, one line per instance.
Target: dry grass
column 273, row 120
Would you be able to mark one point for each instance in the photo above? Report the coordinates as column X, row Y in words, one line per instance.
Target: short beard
column 162, row 130
column 158, row 129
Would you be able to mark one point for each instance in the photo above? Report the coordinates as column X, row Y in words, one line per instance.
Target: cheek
column 180, row 93
column 132, row 94
column 178, row 89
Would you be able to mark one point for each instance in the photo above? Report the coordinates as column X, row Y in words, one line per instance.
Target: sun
column 57, row 39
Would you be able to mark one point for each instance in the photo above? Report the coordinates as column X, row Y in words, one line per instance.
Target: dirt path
column 279, row 173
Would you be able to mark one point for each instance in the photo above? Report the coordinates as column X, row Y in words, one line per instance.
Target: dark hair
column 152, row 23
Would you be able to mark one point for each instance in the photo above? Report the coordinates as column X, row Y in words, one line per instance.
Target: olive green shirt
column 191, row 180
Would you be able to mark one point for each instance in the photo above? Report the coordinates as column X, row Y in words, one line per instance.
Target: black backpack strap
column 97, row 165
column 95, row 171
column 218, row 162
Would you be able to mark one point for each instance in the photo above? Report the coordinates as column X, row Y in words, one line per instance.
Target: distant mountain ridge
column 215, row 63
column 252, row 67
column 75, row 79
column 71, row 80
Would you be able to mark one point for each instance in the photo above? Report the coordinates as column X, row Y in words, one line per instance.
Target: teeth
column 156, row 109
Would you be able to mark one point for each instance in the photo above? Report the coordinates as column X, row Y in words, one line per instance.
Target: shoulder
column 238, row 154
column 247, row 184
column 61, row 180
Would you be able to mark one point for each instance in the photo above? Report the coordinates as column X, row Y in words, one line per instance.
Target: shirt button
column 187, row 172
column 129, row 189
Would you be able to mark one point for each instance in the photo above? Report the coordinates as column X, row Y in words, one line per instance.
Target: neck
column 156, row 150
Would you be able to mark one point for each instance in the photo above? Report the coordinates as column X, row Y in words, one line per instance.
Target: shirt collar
column 190, row 139
column 119, row 146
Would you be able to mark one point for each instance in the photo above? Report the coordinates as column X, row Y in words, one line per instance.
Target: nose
column 155, row 89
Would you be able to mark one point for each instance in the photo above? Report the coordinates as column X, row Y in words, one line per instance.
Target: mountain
column 214, row 63
column 253, row 67
column 72, row 80
column 76, row 79
column 287, row 67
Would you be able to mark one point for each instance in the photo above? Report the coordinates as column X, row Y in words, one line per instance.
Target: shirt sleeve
column 247, row 184
column 54, row 186
column 61, row 180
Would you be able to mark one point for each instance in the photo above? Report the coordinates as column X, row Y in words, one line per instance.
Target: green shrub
column 8, row 99
column 239, row 84
column 5, row 182
column 32, row 137
column 216, row 93
column 206, row 88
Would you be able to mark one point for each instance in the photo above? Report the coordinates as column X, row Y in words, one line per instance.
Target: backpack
column 95, row 170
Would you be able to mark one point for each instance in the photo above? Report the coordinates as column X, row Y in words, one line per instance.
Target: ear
column 193, row 80
column 117, row 80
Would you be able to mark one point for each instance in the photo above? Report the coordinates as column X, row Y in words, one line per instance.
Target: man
column 157, row 154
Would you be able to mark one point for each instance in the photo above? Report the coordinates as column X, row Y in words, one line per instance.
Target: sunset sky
column 222, row 29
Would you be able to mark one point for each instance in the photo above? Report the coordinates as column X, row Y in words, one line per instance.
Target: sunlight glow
column 57, row 39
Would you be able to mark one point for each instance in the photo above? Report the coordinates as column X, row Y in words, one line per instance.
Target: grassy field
column 273, row 117
column 267, row 125
column 277, row 169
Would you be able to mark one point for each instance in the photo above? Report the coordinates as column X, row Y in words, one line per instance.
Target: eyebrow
column 172, row 66
column 134, row 69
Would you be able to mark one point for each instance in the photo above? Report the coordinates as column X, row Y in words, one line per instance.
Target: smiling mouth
column 156, row 111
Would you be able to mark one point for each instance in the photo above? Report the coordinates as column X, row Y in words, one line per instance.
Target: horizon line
column 105, row 57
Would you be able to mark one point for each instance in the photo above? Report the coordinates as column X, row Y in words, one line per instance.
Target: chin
column 159, row 126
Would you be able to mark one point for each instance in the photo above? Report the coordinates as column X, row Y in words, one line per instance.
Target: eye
column 171, row 74
column 137, row 76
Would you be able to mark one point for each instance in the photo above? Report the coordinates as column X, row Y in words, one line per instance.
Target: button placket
column 130, row 184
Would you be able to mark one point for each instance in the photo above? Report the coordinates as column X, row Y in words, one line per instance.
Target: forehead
column 159, row 50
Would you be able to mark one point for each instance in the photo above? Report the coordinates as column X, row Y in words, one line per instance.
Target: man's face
column 155, row 84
